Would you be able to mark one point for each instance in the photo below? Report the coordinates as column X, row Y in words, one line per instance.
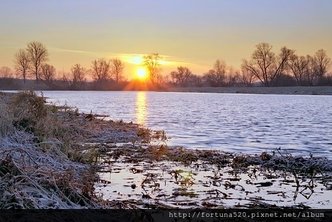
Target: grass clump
column 28, row 111
column 41, row 162
column 30, row 114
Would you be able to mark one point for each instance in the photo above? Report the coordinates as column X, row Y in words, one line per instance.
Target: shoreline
column 97, row 163
column 290, row 90
column 281, row 90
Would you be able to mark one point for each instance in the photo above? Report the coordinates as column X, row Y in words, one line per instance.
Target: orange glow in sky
column 185, row 33
column 135, row 65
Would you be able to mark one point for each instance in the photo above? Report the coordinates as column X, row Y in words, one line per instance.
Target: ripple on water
column 221, row 121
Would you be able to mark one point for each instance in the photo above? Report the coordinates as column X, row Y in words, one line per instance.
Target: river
column 247, row 123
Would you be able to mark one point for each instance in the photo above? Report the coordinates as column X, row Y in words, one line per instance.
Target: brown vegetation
column 45, row 161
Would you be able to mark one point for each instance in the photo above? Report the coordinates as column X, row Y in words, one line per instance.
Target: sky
column 192, row 33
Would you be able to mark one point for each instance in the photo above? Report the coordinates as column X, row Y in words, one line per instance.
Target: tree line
column 264, row 67
column 32, row 62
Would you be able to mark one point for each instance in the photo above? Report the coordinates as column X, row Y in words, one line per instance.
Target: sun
column 142, row 73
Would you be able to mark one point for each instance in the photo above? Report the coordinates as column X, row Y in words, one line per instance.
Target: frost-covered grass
column 39, row 166
column 43, row 160
column 34, row 178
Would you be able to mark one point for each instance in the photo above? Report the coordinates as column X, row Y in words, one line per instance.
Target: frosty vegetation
column 43, row 161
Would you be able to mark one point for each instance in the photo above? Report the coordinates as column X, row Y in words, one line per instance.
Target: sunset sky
column 193, row 33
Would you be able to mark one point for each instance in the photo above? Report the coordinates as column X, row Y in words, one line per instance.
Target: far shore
column 282, row 90
column 286, row 90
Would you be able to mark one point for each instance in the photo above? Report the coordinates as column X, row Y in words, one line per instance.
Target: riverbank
column 57, row 157
column 44, row 158
column 291, row 90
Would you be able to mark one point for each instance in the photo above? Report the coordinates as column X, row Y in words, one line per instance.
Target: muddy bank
column 291, row 90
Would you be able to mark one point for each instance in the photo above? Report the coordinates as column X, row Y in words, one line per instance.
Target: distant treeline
column 263, row 68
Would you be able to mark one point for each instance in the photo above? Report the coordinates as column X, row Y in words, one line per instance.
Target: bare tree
column 47, row 73
column 38, row 54
column 247, row 78
column 321, row 63
column 265, row 65
column 220, row 71
column 309, row 74
column 217, row 75
column 211, row 79
column 152, row 63
column 78, row 76
column 117, row 69
column 181, row 76
column 317, row 67
column 101, row 70
column 195, row 80
column 299, row 67
column 6, row 72
column 22, row 63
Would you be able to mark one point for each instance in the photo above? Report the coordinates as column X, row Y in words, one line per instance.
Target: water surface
column 245, row 123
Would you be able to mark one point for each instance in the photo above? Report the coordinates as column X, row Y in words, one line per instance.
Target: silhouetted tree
column 101, row 70
column 22, row 63
column 47, row 73
column 194, row 80
column 309, row 70
column 217, row 75
column 234, row 79
column 265, row 65
column 117, row 69
column 152, row 63
column 78, row 76
column 247, row 78
column 220, row 71
column 181, row 76
column 310, row 75
column 299, row 67
column 320, row 64
column 38, row 54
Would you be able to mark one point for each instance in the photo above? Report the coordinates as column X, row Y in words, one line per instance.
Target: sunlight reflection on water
column 141, row 108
